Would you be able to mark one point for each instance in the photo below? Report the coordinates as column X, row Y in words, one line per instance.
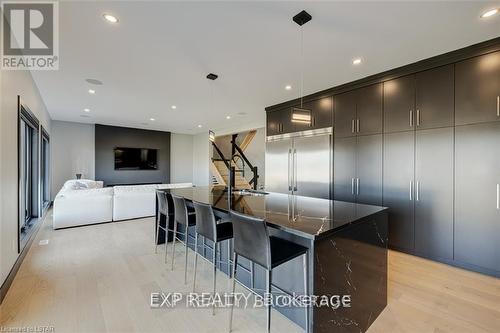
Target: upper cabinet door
column 322, row 112
column 273, row 123
column 369, row 110
column 434, row 98
column 399, row 104
column 285, row 116
column 345, row 115
column 477, row 89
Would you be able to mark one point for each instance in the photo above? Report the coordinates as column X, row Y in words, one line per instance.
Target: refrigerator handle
column 357, row 186
column 295, row 169
column 352, row 186
column 289, row 170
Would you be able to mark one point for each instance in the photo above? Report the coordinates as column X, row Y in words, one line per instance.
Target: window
column 44, row 172
column 28, row 144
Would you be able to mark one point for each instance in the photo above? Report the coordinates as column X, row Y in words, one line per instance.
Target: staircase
column 220, row 166
column 239, row 181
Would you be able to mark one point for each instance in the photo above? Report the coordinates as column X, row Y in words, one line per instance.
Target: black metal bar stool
column 252, row 241
column 184, row 217
column 207, row 226
column 166, row 209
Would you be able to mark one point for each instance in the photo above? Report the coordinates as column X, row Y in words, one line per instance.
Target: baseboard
column 453, row 263
column 12, row 274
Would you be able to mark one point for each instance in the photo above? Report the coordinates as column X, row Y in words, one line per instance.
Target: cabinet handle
column 411, row 191
column 357, row 186
column 498, row 196
column 357, row 125
column 498, row 106
column 418, row 117
column 352, row 126
column 418, row 191
column 295, row 169
column 411, row 118
column 352, row 186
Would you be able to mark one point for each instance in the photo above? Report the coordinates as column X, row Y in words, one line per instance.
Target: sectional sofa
column 83, row 201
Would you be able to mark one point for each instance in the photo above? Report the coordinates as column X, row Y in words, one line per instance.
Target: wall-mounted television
column 136, row 158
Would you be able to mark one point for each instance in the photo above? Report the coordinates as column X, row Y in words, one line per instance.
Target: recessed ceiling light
column 173, row 107
column 228, row 117
column 288, row 87
column 356, row 61
column 489, row 13
column 152, row 119
column 94, row 81
column 199, row 126
column 91, row 91
column 86, row 110
column 110, row 18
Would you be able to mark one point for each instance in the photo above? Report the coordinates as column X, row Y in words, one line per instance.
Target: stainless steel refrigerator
column 300, row 163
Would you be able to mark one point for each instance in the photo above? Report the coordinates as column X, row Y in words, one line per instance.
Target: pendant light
column 301, row 114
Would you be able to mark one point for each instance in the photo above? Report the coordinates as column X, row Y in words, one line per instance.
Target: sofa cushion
column 131, row 189
column 79, row 184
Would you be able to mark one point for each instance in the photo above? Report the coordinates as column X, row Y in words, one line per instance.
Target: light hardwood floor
column 99, row 279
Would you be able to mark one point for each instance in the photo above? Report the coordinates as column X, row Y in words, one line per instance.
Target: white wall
column 181, row 158
column 201, row 159
column 13, row 83
column 72, row 152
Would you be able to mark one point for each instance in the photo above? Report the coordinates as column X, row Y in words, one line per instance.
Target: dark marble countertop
column 304, row 216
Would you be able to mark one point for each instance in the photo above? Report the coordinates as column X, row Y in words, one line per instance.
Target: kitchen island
column 347, row 245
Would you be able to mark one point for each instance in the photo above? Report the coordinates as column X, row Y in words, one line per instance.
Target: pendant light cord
column 301, row 65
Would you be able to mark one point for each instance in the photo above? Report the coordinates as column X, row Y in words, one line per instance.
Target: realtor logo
column 30, row 35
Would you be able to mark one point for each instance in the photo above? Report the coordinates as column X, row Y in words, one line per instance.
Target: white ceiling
column 160, row 52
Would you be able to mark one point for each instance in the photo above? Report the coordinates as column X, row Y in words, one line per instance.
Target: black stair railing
column 227, row 163
column 236, row 151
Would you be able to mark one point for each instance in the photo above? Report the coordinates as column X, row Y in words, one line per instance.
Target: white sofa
column 83, row 201
column 134, row 201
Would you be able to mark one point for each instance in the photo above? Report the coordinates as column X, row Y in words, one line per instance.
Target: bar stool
column 186, row 218
column 252, row 241
column 165, row 208
column 210, row 229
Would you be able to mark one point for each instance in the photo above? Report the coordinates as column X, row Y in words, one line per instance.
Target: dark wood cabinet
column 273, row 123
column 358, row 169
column 434, row 193
column 359, row 112
column 344, row 169
column 369, row 110
column 344, row 114
column 477, row 89
column 321, row 114
column 398, row 189
column 369, row 169
column 435, row 98
column 280, row 121
column 399, row 104
column 477, row 206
